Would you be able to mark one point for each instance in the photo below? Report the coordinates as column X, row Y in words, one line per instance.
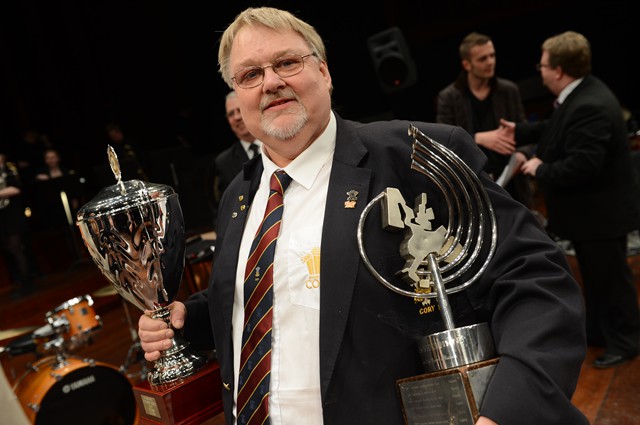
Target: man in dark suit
column 228, row 163
column 583, row 168
column 341, row 339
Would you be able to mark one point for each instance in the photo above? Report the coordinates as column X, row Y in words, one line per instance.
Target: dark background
column 67, row 68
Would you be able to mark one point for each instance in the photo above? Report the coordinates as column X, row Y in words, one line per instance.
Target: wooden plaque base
column 187, row 402
column 447, row 396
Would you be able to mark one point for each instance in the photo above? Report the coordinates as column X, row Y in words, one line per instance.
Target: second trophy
column 458, row 361
column 134, row 232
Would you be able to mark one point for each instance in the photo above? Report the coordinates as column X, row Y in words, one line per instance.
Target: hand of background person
column 499, row 140
column 509, row 127
column 155, row 335
column 521, row 158
column 530, row 167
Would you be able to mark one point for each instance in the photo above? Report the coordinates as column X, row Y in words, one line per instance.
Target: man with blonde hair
column 336, row 339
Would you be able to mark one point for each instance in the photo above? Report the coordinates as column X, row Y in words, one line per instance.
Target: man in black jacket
column 583, row 167
column 476, row 101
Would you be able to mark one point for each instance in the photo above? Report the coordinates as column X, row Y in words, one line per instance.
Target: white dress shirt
column 247, row 146
column 295, row 363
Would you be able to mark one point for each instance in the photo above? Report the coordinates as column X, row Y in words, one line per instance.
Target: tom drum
column 75, row 320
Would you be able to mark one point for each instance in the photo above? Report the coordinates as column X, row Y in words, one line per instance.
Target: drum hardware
column 33, row 342
column 70, row 326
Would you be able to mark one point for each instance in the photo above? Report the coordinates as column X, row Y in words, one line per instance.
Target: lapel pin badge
column 352, row 198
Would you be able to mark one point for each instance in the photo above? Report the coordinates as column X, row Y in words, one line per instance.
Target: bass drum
column 76, row 391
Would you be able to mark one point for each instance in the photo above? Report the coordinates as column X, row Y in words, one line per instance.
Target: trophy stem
column 441, row 293
column 179, row 361
column 453, row 347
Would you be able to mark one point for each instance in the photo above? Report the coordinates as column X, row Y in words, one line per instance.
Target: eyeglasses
column 539, row 66
column 285, row 66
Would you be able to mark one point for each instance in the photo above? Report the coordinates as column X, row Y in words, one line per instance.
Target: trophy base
column 451, row 396
column 189, row 401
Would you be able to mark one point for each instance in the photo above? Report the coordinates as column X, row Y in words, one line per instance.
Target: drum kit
column 61, row 386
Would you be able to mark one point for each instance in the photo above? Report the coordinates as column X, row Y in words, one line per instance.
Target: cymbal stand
column 135, row 353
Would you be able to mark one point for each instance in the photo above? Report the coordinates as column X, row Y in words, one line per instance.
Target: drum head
column 89, row 395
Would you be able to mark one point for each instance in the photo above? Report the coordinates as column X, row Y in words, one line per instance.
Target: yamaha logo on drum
column 80, row 383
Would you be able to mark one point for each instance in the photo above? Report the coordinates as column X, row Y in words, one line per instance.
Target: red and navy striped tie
column 255, row 359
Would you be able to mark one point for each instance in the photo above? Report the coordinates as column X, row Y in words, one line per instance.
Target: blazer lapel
column 239, row 207
column 340, row 255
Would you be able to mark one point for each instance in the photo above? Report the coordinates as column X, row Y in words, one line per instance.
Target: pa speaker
column 394, row 67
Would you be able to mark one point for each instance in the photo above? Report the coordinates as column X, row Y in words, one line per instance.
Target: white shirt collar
column 246, row 145
column 567, row 90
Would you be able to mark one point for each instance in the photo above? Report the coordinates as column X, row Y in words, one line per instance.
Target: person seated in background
column 14, row 229
column 53, row 167
column 28, row 153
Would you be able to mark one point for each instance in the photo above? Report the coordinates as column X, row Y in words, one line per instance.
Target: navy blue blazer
column 527, row 293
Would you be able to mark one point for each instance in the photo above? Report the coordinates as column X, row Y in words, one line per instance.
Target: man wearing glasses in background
column 583, row 167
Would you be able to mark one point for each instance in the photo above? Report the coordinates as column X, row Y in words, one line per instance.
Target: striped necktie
column 255, row 359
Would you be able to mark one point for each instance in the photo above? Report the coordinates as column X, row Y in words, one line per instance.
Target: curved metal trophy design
column 458, row 362
column 134, row 231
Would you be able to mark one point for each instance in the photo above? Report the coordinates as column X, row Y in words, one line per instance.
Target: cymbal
column 105, row 292
column 10, row 333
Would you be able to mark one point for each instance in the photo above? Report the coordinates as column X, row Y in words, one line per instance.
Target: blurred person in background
column 228, row 163
column 476, row 101
column 14, row 229
column 583, row 167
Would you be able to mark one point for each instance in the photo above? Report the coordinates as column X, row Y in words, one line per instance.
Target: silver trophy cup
column 134, row 231
column 458, row 361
